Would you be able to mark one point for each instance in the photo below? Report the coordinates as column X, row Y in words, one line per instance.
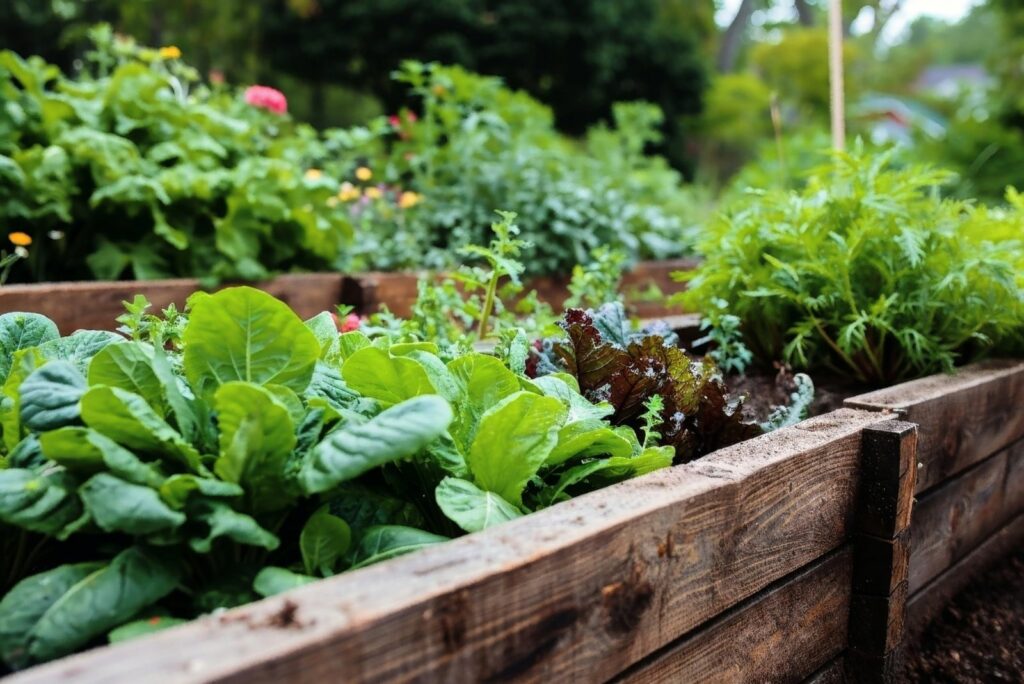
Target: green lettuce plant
column 202, row 459
column 867, row 271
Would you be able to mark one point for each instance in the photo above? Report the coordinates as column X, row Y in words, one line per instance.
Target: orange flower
column 408, row 199
column 20, row 239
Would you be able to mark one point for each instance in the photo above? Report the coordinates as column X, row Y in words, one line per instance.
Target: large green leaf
column 605, row 471
column 71, row 608
column 389, row 379
column 256, row 438
column 485, row 381
column 127, row 419
column 398, row 432
column 120, row 506
column 242, row 333
column 387, row 541
column 224, row 521
column 23, row 364
column 20, row 331
column 590, row 436
column 50, row 396
column 84, row 450
column 45, row 503
column 129, row 367
column 513, row 441
column 472, row 508
column 178, row 489
column 273, row 580
column 324, row 540
column 25, row 604
column 80, row 347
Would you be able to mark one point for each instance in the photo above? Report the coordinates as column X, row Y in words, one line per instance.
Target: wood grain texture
column 371, row 291
column 96, row 305
column 889, row 472
column 963, row 418
column 783, row 634
column 577, row 592
column 929, row 600
column 950, row 521
column 833, row 672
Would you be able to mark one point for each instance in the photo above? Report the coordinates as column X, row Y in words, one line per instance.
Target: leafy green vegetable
column 473, row 509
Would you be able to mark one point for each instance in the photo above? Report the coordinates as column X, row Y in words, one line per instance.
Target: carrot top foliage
column 868, row 271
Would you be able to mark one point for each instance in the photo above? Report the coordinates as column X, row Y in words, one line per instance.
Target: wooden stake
column 835, row 63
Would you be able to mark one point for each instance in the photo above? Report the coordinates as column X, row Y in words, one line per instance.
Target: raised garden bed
column 95, row 305
column 368, row 292
column 970, row 481
column 758, row 562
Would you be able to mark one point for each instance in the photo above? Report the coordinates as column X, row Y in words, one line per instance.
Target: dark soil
column 979, row 637
column 765, row 391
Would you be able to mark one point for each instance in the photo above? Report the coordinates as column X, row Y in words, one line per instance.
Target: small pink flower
column 266, row 98
column 395, row 121
column 351, row 322
column 411, row 116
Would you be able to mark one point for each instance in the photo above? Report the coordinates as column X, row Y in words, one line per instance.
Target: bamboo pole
column 835, row 64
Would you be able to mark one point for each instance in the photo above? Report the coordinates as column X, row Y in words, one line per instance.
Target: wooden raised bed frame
column 96, row 305
column 680, row 575
column 970, row 481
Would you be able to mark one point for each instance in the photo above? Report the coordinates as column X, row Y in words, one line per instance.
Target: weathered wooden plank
column 963, row 418
column 953, row 519
column 783, row 634
column 882, row 550
column 96, row 305
column 579, row 591
column 929, row 600
column 833, row 672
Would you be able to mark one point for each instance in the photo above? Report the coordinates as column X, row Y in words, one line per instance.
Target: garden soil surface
column 766, row 391
column 979, row 637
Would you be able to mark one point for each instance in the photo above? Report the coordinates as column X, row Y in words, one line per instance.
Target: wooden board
column 96, row 305
column 577, row 592
column 833, row 672
column 963, row 418
column 371, row 291
column 953, row 519
column 783, row 634
column 930, row 599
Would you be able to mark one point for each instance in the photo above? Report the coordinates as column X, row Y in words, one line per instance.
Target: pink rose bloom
column 266, row 98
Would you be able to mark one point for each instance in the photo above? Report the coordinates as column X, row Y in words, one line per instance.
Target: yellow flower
column 170, row 52
column 408, row 199
column 20, row 239
column 348, row 192
column 373, row 193
column 313, row 174
column 364, row 174
column 439, row 90
column 332, row 202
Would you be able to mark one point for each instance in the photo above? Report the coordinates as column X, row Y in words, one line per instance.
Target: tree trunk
column 732, row 39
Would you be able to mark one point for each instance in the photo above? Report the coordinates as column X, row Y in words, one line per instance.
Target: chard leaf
column 45, row 503
column 50, row 396
column 25, row 604
column 323, row 541
column 79, row 607
column 19, row 331
column 472, row 508
column 244, row 334
column 351, row 342
column 84, row 450
column 120, row 506
column 603, row 472
column 127, row 419
column 387, row 541
column 590, row 436
column 224, row 521
column 177, row 489
column 256, row 438
column 485, row 381
column 272, row 580
column 389, row 379
column 512, row 443
column 128, row 367
column 398, row 432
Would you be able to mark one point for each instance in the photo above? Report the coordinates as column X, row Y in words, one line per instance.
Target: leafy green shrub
column 479, row 145
column 135, row 169
column 207, row 458
column 866, row 271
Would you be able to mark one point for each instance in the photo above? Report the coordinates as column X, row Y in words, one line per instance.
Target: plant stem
column 492, row 287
